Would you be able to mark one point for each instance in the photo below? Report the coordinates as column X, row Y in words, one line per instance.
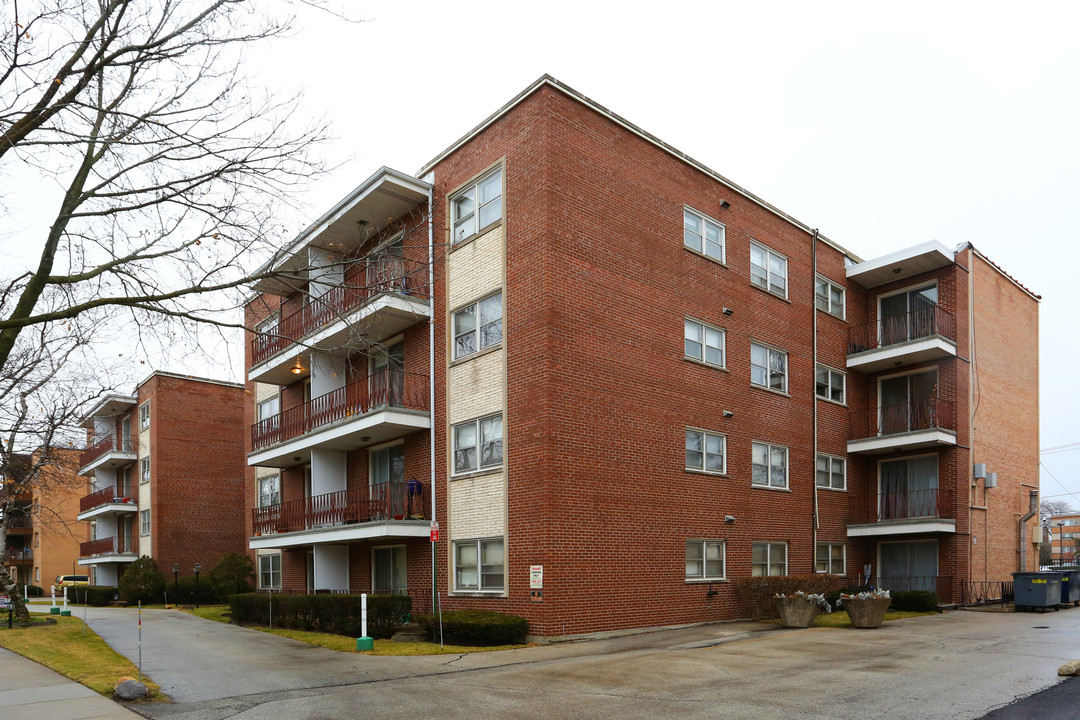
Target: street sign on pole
column 434, row 531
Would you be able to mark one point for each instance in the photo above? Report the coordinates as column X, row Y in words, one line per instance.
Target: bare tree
column 1051, row 508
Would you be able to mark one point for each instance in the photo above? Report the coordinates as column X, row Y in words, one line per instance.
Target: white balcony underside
column 902, row 527
column 108, row 509
column 346, row 434
column 343, row 534
column 112, row 459
column 908, row 353
column 915, row 440
column 106, row 559
column 381, row 317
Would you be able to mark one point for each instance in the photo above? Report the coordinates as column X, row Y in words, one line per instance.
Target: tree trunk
column 9, row 587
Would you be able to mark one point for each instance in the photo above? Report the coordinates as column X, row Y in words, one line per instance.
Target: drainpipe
column 816, row 521
column 1033, row 507
column 431, row 380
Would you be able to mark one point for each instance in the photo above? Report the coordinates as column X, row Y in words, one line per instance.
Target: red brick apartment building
column 1062, row 533
column 166, row 471
column 622, row 381
column 18, row 551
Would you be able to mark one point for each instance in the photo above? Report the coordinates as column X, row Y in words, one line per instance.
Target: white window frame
column 704, row 224
column 829, row 560
column 703, row 329
column 767, row 368
column 479, row 545
column 463, row 228
column 480, row 339
column 703, row 546
column 480, row 441
column 262, row 409
column 705, row 436
column 144, row 470
column 770, row 548
column 271, row 571
column 831, row 375
column 766, row 283
column 144, row 415
column 144, row 522
column 770, row 449
column 275, row 494
column 830, row 303
column 831, row 462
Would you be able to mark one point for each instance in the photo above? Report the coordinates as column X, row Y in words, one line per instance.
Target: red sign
column 434, row 531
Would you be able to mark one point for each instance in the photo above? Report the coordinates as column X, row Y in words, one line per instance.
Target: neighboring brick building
column 57, row 533
column 1063, row 533
column 167, row 471
column 18, row 500
column 609, row 379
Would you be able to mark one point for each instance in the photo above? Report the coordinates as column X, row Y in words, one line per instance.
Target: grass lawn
column 839, row 618
column 83, row 658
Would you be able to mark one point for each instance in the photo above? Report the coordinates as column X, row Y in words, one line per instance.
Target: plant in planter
column 800, row 609
column 866, row 609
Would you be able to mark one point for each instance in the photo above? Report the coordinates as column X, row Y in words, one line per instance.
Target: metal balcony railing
column 12, row 555
column 895, row 329
column 940, row 584
column 102, row 446
column 19, row 522
column 382, row 501
column 385, row 388
column 926, row 414
column 106, row 496
column 107, row 546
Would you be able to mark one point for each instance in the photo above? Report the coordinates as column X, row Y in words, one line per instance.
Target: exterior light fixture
column 296, row 369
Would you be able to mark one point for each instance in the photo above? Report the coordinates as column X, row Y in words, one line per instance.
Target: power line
column 1068, row 447
column 1069, row 492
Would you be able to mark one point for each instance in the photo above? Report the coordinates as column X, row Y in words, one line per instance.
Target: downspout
column 1033, row 507
column 816, row 520
column 431, row 382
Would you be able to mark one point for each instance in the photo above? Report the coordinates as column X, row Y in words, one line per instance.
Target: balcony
column 387, row 405
column 107, row 452
column 922, row 335
column 18, row 557
column 904, row 513
column 912, row 425
column 383, row 294
column 106, row 501
column 940, row 584
column 386, row 510
column 110, row 549
column 20, row 524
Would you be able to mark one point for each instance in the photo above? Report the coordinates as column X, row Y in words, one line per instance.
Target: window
column 768, row 559
column 830, row 558
column 829, row 297
column 704, row 560
column 703, row 235
column 144, row 415
column 768, row 367
column 831, row 472
column 487, row 433
column 144, row 469
column 478, row 565
column 472, row 333
column 270, row 572
column 267, row 413
column 476, row 207
column 144, row 522
column 37, row 540
column 768, row 269
column 769, row 465
column 37, row 574
column 389, row 575
column 269, row 491
column 830, row 384
column 703, row 342
column 705, row 451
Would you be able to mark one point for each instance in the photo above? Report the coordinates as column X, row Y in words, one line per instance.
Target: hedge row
column 338, row 614
column 478, row 628
column 757, row 592
column 96, row 595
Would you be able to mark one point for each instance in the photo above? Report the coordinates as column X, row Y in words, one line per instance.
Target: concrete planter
column 796, row 612
column 869, row 613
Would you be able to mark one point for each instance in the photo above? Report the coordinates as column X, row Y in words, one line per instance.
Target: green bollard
column 365, row 643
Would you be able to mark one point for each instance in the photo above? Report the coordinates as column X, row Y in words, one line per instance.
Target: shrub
column 915, row 600
column 142, row 581
column 338, row 614
column 35, row 591
column 757, row 592
column 477, row 627
column 96, row 595
column 183, row 592
column 232, row 574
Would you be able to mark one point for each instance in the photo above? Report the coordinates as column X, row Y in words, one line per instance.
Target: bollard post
column 364, row 642
column 140, row 641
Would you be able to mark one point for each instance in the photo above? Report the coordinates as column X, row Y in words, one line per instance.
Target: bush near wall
column 183, row 592
column 478, row 628
column 96, row 595
column 337, row 614
column 35, row 591
column 757, row 593
column 915, row 600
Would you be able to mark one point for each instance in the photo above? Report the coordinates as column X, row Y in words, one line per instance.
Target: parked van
column 63, row 581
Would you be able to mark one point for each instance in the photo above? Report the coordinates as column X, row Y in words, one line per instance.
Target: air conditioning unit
column 1036, row 535
column 991, row 479
column 980, row 470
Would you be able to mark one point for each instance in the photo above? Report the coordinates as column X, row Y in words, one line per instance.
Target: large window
column 768, row 559
column 703, row 342
column 703, row 235
column 267, row 412
column 829, row 297
column 269, row 491
column 476, row 207
column 830, row 558
column 705, row 560
column 831, row 472
column 478, row 444
column 768, row 269
column 768, row 367
column 770, row 465
column 144, row 522
column 478, row 326
column 144, row 415
column 389, row 574
column 144, row 469
column 270, row 572
column 388, row 465
column 706, row 451
column 478, row 565
column 831, row 384
column 908, row 488
column 266, row 334
column 908, row 315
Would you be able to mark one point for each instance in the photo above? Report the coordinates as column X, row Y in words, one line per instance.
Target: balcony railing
column 107, row 546
column 105, row 496
column 99, row 448
column 19, row 522
column 895, row 329
column 11, row 555
column 382, row 273
column 386, row 388
column 383, row 501
column 928, row 414
column 940, row 584
column 911, row 504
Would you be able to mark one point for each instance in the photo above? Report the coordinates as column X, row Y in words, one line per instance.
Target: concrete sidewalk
column 29, row 690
